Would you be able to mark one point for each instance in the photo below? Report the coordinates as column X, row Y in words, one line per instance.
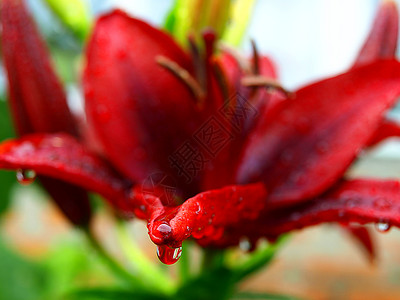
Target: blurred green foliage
column 7, row 179
column 20, row 279
column 74, row 14
column 71, row 265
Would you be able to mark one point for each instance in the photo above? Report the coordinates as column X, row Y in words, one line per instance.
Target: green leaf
column 112, row 294
column 261, row 296
column 74, row 14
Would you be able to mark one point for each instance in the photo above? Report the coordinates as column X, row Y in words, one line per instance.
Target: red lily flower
column 259, row 164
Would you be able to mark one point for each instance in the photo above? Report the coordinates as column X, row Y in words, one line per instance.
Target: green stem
column 148, row 271
column 212, row 259
column 258, row 260
column 111, row 263
column 184, row 263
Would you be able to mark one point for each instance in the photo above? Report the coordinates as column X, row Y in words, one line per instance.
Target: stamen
column 198, row 64
column 262, row 81
column 183, row 75
column 221, row 79
column 209, row 38
column 256, row 58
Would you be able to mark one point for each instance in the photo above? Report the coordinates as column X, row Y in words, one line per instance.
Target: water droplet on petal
column 164, row 229
column 26, row 177
column 168, row 255
column 382, row 226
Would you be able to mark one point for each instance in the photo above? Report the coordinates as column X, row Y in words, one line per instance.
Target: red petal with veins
column 62, row 157
column 349, row 202
column 243, row 109
column 207, row 214
column 36, row 96
column 140, row 111
column 382, row 39
column 356, row 201
column 304, row 149
column 387, row 129
column 364, row 237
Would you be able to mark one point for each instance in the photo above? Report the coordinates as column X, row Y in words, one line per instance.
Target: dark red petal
column 387, row 129
column 232, row 69
column 269, row 101
column 140, row 111
column 364, row 237
column 62, row 157
column 72, row 200
column 36, row 96
column 304, row 149
column 242, row 110
column 356, row 201
column 382, row 39
column 350, row 202
column 207, row 214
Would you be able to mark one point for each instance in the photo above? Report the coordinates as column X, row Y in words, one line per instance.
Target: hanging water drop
column 25, row 177
column 245, row 244
column 168, row 255
column 382, row 226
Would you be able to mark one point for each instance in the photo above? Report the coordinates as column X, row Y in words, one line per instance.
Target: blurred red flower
column 202, row 144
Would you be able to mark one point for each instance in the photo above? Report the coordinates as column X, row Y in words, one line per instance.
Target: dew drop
column 164, row 229
column 382, row 226
column 244, row 244
column 161, row 232
column 26, row 177
column 168, row 255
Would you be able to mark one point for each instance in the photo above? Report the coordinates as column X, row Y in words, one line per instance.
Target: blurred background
column 41, row 255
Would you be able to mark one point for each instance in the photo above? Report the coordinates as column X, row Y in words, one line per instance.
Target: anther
column 183, row 75
column 256, row 58
column 262, row 81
